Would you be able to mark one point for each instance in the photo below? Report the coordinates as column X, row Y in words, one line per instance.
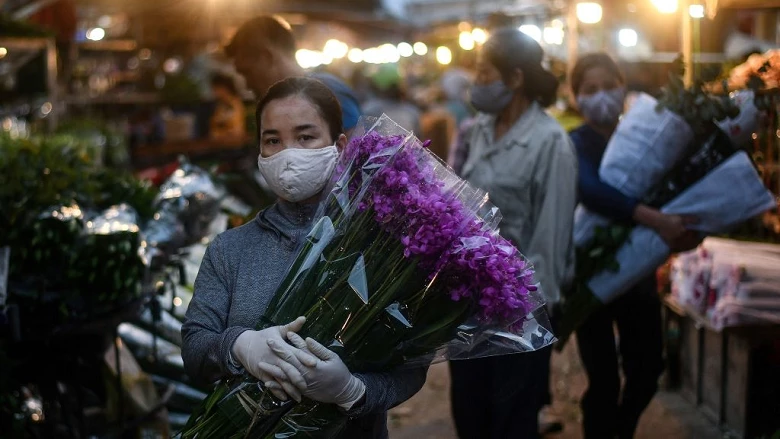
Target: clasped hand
column 314, row 370
column 251, row 349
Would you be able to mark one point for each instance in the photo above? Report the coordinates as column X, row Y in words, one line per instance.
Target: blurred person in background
column 455, row 84
column 361, row 84
column 525, row 161
column 608, row 412
column 229, row 117
column 263, row 52
column 389, row 97
column 437, row 123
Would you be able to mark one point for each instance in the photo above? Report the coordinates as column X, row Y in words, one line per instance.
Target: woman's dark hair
column 224, row 81
column 315, row 92
column 589, row 61
column 509, row 49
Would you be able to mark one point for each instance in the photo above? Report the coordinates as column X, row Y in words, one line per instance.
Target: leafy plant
column 698, row 108
column 54, row 263
column 180, row 89
column 112, row 142
column 38, row 173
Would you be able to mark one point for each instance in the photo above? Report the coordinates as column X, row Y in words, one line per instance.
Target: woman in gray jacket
column 300, row 134
column 525, row 161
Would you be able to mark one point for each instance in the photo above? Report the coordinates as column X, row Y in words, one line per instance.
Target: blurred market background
column 114, row 101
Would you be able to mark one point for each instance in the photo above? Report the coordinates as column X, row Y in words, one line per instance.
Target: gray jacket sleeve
column 388, row 389
column 550, row 248
column 207, row 340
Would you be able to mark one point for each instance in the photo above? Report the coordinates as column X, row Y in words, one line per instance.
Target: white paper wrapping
column 585, row 222
column 730, row 194
column 646, row 144
column 741, row 128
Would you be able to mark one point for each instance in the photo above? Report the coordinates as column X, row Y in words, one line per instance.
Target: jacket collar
column 483, row 143
column 519, row 134
column 286, row 219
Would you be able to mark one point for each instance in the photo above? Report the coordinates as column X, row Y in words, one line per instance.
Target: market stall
column 91, row 301
column 723, row 304
column 104, row 223
column 722, row 326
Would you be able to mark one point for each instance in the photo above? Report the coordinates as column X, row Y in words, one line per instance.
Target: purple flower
column 447, row 239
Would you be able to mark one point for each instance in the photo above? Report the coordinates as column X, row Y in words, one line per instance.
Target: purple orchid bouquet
column 404, row 266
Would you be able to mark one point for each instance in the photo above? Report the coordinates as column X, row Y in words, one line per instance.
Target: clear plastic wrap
column 740, row 129
column 690, row 278
column 112, row 242
column 121, row 218
column 188, row 202
column 403, row 267
column 730, row 283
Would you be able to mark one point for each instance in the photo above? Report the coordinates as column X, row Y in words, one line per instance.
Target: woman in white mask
column 525, row 161
column 300, row 133
column 599, row 89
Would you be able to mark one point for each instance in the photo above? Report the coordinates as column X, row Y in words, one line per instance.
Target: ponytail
column 542, row 87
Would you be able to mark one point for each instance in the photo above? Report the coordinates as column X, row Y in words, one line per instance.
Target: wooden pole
column 51, row 84
column 572, row 37
column 687, row 40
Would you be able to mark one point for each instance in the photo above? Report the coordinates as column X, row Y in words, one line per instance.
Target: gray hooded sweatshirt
column 237, row 279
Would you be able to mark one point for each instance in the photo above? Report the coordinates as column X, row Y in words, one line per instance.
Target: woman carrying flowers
column 300, row 133
column 524, row 159
column 600, row 92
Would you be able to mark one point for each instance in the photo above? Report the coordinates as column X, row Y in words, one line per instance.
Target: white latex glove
column 251, row 348
column 314, row 370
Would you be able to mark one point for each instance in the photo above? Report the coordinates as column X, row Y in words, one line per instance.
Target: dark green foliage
column 699, row 109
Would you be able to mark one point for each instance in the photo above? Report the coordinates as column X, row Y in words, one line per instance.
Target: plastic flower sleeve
column 112, row 243
column 404, row 265
column 380, row 139
column 121, row 218
column 187, row 204
column 729, row 283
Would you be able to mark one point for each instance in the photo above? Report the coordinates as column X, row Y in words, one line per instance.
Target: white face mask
column 296, row 174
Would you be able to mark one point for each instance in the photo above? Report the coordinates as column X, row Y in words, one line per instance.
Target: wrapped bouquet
column 673, row 156
column 404, row 266
column 729, row 283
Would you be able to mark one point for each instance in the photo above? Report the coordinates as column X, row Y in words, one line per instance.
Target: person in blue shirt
column 263, row 52
column 608, row 412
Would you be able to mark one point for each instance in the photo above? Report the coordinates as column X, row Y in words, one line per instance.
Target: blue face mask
column 602, row 108
column 491, row 98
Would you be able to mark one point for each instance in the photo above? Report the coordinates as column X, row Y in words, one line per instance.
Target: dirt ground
column 427, row 415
